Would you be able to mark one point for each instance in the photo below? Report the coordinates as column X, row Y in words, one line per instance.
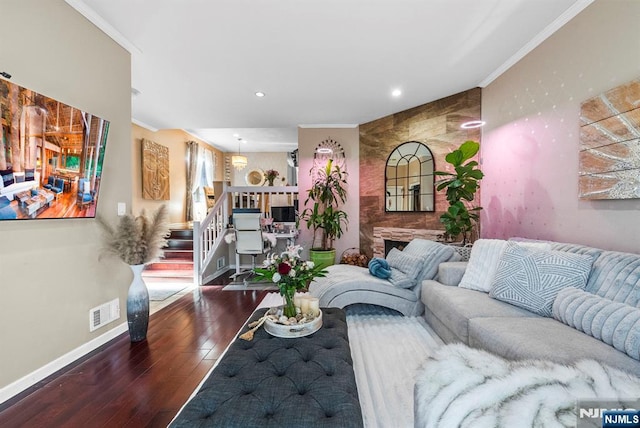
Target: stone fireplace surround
column 381, row 234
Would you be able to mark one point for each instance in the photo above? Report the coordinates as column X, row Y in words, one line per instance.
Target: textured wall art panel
column 610, row 144
column 155, row 171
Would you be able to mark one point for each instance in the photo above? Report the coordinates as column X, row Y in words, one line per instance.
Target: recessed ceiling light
column 396, row 92
column 259, row 94
column 473, row 124
column 236, row 135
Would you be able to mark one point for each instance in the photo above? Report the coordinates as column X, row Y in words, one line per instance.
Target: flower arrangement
column 290, row 273
column 270, row 175
column 138, row 239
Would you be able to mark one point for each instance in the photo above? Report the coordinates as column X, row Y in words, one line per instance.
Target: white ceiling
column 198, row 63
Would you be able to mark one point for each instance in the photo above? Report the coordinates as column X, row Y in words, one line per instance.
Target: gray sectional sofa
column 474, row 318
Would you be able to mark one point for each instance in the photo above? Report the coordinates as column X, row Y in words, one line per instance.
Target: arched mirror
column 408, row 178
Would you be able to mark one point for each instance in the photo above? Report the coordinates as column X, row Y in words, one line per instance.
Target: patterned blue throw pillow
column 7, row 177
column 532, row 279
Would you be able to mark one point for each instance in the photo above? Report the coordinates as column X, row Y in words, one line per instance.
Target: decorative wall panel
column 155, row 171
column 437, row 125
column 610, row 144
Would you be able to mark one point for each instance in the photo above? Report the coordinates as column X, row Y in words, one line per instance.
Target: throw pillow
column 483, row 264
column 405, row 264
column 379, row 268
column 532, row 279
column 484, row 259
column 614, row 323
column 29, row 174
column 400, row 279
column 431, row 253
column 7, row 177
column 18, row 178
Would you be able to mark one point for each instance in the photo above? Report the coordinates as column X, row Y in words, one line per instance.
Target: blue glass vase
column 138, row 305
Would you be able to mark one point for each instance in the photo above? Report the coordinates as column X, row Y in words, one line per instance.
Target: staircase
column 177, row 263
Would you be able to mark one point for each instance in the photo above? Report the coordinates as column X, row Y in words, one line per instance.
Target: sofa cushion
column 614, row 323
column 616, row 276
column 451, row 273
column 454, row 306
column 544, row 338
column 576, row 249
column 405, row 268
column 532, row 279
column 432, row 253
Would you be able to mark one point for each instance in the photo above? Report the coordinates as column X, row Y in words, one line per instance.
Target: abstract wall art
column 610, row 144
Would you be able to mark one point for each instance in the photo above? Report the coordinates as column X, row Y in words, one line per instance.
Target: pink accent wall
column 530, row 144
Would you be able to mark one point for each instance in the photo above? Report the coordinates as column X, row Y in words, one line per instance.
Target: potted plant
column 137, row 241
column 461, row 186
column 325, row 218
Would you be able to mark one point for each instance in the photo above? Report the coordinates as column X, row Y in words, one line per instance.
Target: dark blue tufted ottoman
column 273, row 382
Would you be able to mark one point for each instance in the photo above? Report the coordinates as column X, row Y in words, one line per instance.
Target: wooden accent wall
column 436, row 124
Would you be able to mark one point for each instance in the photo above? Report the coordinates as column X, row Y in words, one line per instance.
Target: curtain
column 192, row 177
column 209, row 165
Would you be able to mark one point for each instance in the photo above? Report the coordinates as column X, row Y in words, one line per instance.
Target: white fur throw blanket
column 463, row 387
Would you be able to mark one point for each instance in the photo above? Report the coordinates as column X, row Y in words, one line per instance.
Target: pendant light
column 239, row 161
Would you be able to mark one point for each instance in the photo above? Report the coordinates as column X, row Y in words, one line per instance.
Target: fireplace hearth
column 399, row 235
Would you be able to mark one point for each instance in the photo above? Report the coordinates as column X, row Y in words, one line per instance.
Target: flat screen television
column 283, row 214
column 51, row 157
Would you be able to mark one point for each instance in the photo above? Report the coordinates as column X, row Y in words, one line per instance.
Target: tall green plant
column 325, row 218
column 461, row 186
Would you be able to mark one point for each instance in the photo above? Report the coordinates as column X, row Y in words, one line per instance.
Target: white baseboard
column 43, row 372
column 215, row 275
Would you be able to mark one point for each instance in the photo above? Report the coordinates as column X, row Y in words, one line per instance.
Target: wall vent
column 104, row 314
column 220, row 263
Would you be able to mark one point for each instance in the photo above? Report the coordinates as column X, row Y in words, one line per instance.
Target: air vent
column 220, row 263
column 104, row 314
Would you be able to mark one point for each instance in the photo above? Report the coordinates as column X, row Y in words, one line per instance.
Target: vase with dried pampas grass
column 137, row 240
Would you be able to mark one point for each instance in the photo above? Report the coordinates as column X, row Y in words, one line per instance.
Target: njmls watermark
column 609, row 414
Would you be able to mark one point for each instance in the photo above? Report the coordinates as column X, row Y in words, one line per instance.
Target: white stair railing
column 208, row 234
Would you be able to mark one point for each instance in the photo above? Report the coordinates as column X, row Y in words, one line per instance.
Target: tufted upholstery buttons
column 310, row 378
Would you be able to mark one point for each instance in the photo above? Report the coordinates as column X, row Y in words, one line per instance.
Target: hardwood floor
column 142, row 384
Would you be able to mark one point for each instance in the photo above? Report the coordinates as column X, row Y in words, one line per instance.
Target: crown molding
column 93, row 17
column 566, row 16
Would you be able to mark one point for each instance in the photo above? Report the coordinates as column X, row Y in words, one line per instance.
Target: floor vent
column 104, row 314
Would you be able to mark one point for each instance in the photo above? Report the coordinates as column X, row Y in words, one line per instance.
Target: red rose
column 284, row 268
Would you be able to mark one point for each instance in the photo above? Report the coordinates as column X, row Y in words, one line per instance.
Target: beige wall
column 175, row 140
column 308, row 140
column 263, row 161
column 531, row 141
column 50, row 273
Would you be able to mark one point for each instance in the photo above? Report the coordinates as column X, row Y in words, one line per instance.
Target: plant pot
column 323, row 258
column 138, row 306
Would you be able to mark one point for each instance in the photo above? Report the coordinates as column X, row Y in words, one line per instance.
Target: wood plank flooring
column 144, row 384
